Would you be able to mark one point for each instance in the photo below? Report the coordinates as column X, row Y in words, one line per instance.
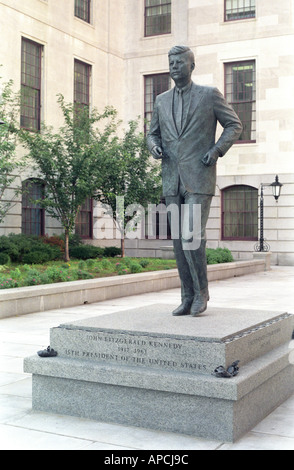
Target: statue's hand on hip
column 157, row 152
column 211, row 157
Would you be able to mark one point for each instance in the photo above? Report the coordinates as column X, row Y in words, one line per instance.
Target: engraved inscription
column 265, row 339
column 137, row 351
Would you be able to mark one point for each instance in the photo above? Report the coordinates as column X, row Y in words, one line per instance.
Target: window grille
column 31, row 57
column 83, row 10
column 33, row 215
column 157, row 17
column 239, row 9
column 240, row 213
column 240, row 91
column 154, row 85
column 84, row 220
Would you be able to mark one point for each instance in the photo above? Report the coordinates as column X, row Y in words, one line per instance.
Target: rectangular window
column 240, row 213
column 240, row 91
column 154, row 85
column 82, row 73
column 157, row 17
column 82, row 83
column 83, row 10
column 239, row 9
column 84, row 220
column 31, row 57
column 33, row 215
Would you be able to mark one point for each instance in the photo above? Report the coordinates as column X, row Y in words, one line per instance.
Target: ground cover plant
column 58, row 271
column 29, row 261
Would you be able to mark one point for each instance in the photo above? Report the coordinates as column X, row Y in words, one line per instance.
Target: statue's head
column 181, row 64
column 182, row 50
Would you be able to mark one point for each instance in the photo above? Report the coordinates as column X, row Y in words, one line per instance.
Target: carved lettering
column 134, row 342
column 137, row 359
column 136, row 351
column 264, row 337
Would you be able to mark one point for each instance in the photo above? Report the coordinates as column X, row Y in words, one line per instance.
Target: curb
column 25, row 300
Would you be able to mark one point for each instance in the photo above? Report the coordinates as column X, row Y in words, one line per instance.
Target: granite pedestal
column 143, row 367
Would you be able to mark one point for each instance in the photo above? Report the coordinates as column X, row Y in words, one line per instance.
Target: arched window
column 33, row 215
column 240, row 213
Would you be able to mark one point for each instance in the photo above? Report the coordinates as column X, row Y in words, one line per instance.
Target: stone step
column 151, row 337
column 143, row 367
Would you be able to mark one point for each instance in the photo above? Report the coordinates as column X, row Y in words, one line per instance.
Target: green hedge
column 218, row 255
column 24, row 249
column 85, row 252
column 27, row 249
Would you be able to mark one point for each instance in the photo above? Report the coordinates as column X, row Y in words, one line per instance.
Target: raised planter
column 24, row 300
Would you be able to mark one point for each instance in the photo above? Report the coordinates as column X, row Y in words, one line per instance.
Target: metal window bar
column 82, row 74
column 84, row 220
column 82, row 10
column 82, row 83
column 154, row 85
column 157, row 17
column 239, row 9
column 31, row 58
column 32, row 212
column 240, row 91
column 240, row 213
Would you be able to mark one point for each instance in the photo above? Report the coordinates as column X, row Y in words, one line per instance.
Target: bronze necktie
column 179, row 113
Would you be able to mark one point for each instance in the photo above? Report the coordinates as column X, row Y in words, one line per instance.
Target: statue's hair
column 181, row 50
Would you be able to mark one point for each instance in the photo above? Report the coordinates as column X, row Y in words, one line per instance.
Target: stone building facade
column 119, row 47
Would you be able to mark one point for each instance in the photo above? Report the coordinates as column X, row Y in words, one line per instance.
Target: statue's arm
column 154, row 135
column 232, row 126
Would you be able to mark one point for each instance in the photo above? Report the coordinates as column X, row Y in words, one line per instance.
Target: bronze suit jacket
column 183, row 152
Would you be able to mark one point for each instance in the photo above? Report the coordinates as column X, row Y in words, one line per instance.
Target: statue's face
column 181, row 67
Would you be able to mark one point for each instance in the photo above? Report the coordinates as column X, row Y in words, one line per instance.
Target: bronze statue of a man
column 183, row 133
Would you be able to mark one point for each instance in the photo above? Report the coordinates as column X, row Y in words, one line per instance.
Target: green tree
column 129, row 179
column 86, row 158
column 10, row 165
column 69, row 160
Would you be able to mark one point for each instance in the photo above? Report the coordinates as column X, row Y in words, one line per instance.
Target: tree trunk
column 122, row 245
column 66, row 250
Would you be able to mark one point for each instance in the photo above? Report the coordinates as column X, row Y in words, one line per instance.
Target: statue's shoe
column 183, row 309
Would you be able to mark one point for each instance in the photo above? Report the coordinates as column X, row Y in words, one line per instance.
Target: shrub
column 85, row 251
column 54, row 273
column 16, row 274
column 121, row 268
column 82, row 264
column 111, row 251
column 32, row 277
column 36, row 257
column 135, row 268
column 106, row 264
column 8, row 283
column 123, row 271
column 84, row 274
column 54, row 241
column 33, row 280
column 144, row 262
column 52, row 251
column 17, row 246
column 127, row 261
column 4, row 258
column 218, row 255
column 90, row 263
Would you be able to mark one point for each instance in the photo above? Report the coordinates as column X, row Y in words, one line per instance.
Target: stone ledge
column 145, row 368
column 24, row 300
column 253, row 375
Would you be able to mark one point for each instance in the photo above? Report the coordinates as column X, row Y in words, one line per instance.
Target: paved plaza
column 22, row 336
